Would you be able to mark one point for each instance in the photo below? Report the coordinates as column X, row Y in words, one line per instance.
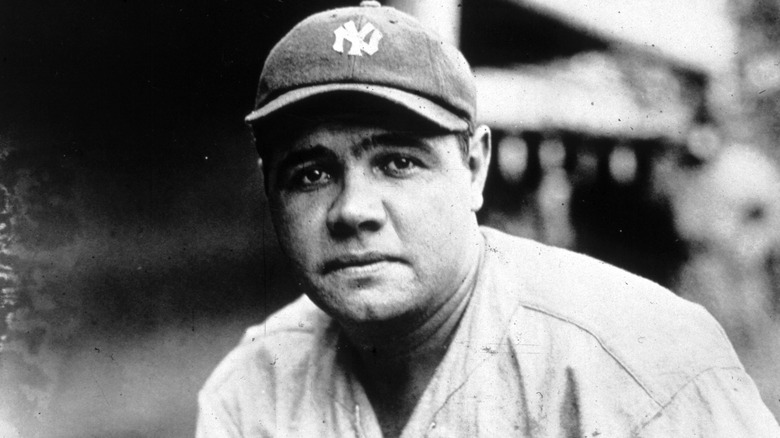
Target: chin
column 366, row 304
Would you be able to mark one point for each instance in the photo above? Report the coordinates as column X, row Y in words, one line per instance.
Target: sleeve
column 720, row 402
column 215, row 419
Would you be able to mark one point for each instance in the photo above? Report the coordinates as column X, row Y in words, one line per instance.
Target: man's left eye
column 399, row 165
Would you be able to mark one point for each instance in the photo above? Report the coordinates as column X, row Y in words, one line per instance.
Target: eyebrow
column 391, row 139
column 388, row 139
column 295, row 157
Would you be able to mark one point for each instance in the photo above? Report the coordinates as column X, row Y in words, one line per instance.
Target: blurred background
column 135, row 245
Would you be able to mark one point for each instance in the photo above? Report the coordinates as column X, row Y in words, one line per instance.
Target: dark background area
column 128, row 116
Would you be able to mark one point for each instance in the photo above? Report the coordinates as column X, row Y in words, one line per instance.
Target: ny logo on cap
column 348, row 31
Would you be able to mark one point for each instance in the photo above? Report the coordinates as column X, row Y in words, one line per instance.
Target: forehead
column 335, row 134
column 348, row 129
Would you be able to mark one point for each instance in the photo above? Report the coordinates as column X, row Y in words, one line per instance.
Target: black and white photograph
column 389, row 219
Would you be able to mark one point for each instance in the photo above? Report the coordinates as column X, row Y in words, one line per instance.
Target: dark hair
column 464, row 143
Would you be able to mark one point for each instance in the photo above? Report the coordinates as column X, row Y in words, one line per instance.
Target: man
column 417, row 322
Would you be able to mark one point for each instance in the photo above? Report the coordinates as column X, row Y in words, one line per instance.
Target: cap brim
column 416, row 104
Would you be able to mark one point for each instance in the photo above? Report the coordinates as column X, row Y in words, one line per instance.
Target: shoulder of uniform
column 302, row 316
column 282, row 342
column 662, row 340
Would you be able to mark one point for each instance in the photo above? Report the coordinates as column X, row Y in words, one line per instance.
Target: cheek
column 298, row 225
column 439, row 215
column 449, row 197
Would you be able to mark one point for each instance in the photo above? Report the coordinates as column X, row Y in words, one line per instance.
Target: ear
column 478, row 162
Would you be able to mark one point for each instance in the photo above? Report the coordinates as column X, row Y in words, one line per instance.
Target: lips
column 358, row 262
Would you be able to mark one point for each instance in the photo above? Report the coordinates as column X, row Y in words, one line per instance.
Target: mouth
column 358, row 263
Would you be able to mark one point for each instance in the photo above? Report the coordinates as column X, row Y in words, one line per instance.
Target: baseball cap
column 372, row 50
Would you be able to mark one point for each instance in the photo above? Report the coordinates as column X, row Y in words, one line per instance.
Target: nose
column 358, row 208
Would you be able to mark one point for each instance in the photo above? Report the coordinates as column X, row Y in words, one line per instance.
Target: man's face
column 379, row 222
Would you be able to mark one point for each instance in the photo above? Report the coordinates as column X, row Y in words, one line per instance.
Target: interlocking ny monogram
column 348, row 31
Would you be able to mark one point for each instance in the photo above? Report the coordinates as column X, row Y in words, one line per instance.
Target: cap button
column 370, row 4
